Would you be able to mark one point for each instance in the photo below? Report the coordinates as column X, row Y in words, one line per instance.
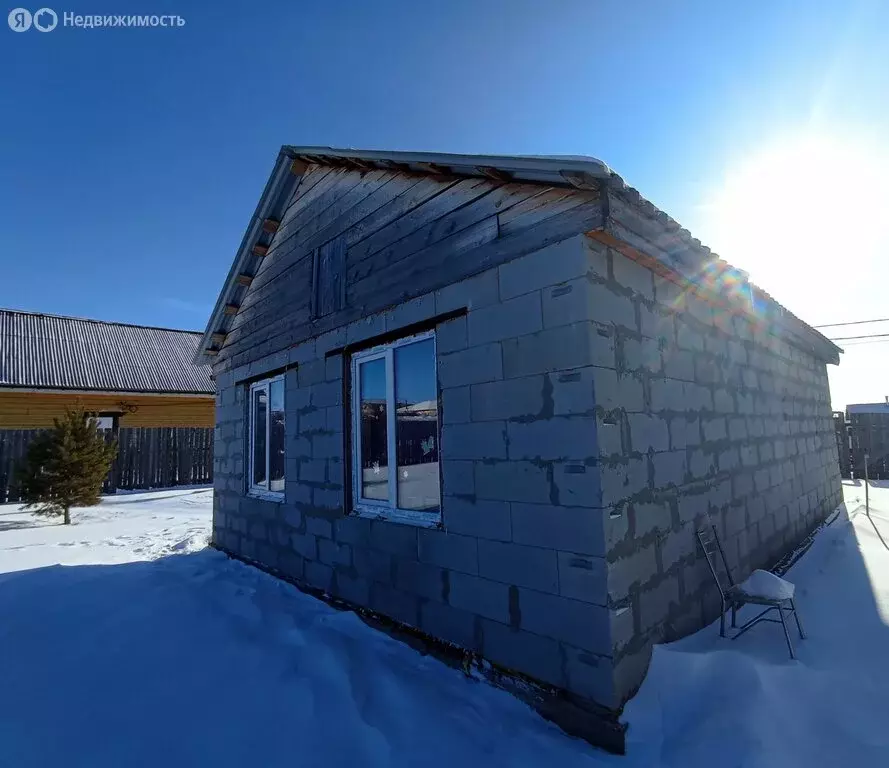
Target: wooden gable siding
column 353, row 242
column 32, row 410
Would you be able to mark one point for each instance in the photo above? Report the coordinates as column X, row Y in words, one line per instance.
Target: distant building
column 512, row 390
column 139, row 382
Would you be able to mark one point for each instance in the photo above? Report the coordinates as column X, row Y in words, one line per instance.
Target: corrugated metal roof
column 51, row 352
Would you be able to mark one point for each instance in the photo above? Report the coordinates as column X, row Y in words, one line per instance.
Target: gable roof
column 659, row 237
column 69, row 353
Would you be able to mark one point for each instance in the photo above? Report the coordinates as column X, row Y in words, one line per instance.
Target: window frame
column 387, row 510
column 262, row 490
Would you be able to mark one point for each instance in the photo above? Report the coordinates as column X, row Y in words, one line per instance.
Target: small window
column 267, row 437
column 395, row 430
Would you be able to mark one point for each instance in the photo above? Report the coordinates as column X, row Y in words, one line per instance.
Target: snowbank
column 125, row 642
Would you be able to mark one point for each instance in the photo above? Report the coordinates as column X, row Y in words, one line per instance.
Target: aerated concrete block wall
column 517, row 573
column 714, row 419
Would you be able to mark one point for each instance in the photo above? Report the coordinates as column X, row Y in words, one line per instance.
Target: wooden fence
column 147, row 457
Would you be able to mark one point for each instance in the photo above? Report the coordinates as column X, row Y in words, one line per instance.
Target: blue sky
column 133, row 158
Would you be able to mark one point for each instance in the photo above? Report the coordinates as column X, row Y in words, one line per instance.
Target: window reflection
column 276, row 436
column 260, row 414
column 416, row 426
column 374, row 434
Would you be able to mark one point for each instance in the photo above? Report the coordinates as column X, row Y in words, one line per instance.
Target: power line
column 854, row 322
column 869, row 336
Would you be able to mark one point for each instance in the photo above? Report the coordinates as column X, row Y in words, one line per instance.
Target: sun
column 801, row 213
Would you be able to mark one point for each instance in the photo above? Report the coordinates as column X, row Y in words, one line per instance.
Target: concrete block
column 304, row 544
column 333, row 554
column 571, row 529
column 353, row 530
column 655, row 603
column 533, row 655
column 669, row 468
column 512, row 481
column 319, row 526
column 558, row 438
column 421, row 579
column 470, row 366
column 572, row 391
column 335, row 419
column 612, row 390
column 458, row 478
column 409, row 312
column 318, row 575
column 478, row 291
column 623, row 481
column 582, row 577
column 582, row 299
column 514, row 317
column 479, row 596
column 327, row 393
column 648, row 433
column 688, row 337
column 395, row 538
column 638, row 567
column 482, row 440
column 482, row 519
column 556, row 349
column 328, row 498
column 670, row 395
column 508, row 399
column 449, row 624
column 577, row 484
column 685, row 432
column 523, row 566
column 327, row 446
column 612, row 442
column 677, row 545
column 395, row 604
column 707, row 370
column 656, row 324
column 554, row 264
column 583, row 625
column 648, row 517
column 589, row 675
column 353, row 590
column 723, row 402
column 632, row 275
column 679, row 364
column 642, row 355
column 715, row 429
column 373, row 565
column 451, row 336
column 455, row 408
column 449, row 550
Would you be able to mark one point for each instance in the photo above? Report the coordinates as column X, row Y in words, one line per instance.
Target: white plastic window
column 266, row 420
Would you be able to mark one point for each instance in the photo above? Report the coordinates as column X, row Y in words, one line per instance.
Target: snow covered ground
column 124, row 641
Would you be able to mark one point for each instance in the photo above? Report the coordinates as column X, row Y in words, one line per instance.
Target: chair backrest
column 709, row 540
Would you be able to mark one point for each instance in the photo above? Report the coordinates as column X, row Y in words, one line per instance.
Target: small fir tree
column 66, row 466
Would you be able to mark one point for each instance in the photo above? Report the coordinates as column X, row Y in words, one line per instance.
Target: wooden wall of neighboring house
column 27, row 410
column 352, row 243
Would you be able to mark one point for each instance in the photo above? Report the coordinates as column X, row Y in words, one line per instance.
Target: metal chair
column 760, row 588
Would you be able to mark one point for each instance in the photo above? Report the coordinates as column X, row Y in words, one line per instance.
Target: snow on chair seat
column 767, row 585
column 760, row 588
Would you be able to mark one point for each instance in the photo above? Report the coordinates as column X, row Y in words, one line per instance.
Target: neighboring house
column 868, row 430
column 493, row 398
column 128, row 376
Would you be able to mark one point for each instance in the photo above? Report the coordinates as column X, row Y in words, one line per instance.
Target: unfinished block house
column 493, row 398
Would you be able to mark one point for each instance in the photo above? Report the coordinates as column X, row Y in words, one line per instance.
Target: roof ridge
column 98, row 322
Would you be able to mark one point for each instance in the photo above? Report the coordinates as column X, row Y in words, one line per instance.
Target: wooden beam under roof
column 270, row 226
column 231, row 309
column 244, row 279
column 260, row 250
column 218, row 337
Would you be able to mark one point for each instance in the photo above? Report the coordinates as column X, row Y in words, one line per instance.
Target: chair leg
column 722, row 620
column 796, row 616
column 734, row 615
column 786, row 633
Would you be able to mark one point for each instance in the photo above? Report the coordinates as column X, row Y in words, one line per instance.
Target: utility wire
column 869, row 336
column 854, row 322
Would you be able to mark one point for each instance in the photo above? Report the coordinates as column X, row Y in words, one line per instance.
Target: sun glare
column 801, row 213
